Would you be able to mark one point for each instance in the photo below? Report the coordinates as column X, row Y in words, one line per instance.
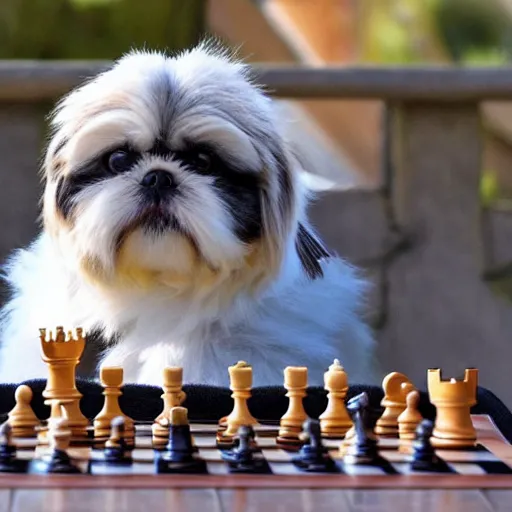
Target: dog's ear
column 278, row 206
column 281, row 203
column 311, row 252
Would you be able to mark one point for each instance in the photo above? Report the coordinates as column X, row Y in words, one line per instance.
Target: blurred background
column 441, row 264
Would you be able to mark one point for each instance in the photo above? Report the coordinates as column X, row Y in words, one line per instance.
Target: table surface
column 240, row 500
column 24, row 494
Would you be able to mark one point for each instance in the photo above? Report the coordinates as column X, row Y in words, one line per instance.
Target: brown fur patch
column 93, row 269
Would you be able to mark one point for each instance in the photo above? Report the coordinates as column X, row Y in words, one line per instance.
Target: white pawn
column 290, row 425
column 112, row 381
column 335, row 421
column 173, row 396
column 241, row 383
column 117, row 427
column 22, row 418
column 59, row 435
column 58, row 460
column 409, row 419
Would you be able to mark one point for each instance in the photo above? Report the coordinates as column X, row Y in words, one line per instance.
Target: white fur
column 299, row 322
column 294, row 320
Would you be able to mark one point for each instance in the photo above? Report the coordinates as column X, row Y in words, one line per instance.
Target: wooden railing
column 432, row 249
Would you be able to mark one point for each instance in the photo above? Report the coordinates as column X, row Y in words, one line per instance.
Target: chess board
column 489, row 465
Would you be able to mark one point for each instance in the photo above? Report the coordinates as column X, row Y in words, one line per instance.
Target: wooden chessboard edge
column 257, row 482
column 485, row 424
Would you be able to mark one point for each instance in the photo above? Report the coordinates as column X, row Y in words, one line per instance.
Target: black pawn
column 180, row 455
column 424, row 456
column 116, row 450
column 313, row 457
column 9, row 463
column 245, row 457
column 363, row 446
column 58, row 461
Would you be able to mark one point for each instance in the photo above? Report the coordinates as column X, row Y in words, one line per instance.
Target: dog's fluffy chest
column 297, row 322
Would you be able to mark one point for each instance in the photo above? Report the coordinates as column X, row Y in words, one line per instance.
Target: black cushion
column 208, row 403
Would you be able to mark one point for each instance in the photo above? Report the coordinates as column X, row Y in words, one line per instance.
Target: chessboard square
column 40, row 466
column 389, row 443
column 404, row 468
column 218, row 468
column 465, row 468
column 41, row 451
column 119, row 470
column 266, row 430
column 143, row 428
column 205, row 442
column 466, row 456
column 496, row 467
column 285, row 468
column 97, row 455
column 210, row 454
column 266, row 442
column 277, row 455
column 80, row 453
column 331, row 444
column 25, row 454
column 143, row 442
column 143, row 455
column 143, row 468
column 24, row 443
column 203, row 428
column 396, row 456
column 363, row 470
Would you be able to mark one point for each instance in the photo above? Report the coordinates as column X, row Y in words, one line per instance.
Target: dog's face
column 169, row 171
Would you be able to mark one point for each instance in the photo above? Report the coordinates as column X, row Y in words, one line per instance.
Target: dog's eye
column 120, row 161
column 198, row 160
column 202, row 161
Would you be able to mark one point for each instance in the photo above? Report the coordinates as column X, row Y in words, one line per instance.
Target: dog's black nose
column 158, row 180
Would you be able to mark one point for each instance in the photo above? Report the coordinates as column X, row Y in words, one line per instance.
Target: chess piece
column 62, row 356
column 290, row 426
column 241, row 383
column 180, row 456
column 335, row 420
column 349, row 434
column 410, row 418
column 246, row 456
column 453, row 400
column 424, row 457
column 396, row 386
column 372, row 415
column 173, row 396
column 116, row 448
column 58, row 460
column 313, row 457
column 9, row 463
column 22, row 418
column 363, row 446
column 112, row 380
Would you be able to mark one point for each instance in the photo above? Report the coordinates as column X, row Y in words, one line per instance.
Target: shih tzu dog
column 175, row 227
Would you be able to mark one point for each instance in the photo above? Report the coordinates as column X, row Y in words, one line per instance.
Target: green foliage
column 489, row 189
column 398, row 32
column 96, row 29
column 473, row 30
